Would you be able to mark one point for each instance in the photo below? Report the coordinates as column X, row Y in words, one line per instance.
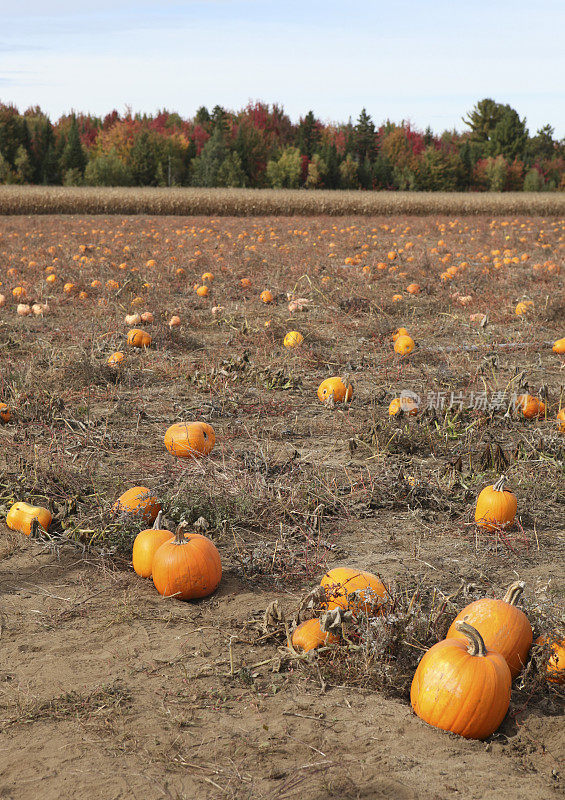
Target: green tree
column 437, row 170
column 73, row 157
column 364, row 137
column 533, row 182
column 509, row 136
column 483, row 119
column 348, row 173
column 497, row 173
column 285, row 172
column 542, row 146
column 317, row 170
column 108, row 170
column 207, row 165
column 330, row 158
column 308, row 134
column 231, row 172
column 23, row 165
column 143, row 160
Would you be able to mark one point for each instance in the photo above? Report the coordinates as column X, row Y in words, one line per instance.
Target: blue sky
column 426, row 61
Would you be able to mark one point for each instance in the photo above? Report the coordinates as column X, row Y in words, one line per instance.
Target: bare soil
column 109, row 690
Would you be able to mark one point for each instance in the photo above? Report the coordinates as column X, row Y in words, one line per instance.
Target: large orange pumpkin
column 504, row 627
column 496, row 506
column 138, row 502
column 145, row 546
column 22, row 517
column 404, row 345
column 530, row 406
column 190, row 439
column 461, row 686
column 342, row 582
column 138, row 338
column 187, row 567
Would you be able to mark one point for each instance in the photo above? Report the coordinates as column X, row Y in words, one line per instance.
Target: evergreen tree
column 509, row 136
column 206, row 166
column 308, row 134
column 143, row 160
column 364, row 144
column 108, row 170
column 73, row 157
column 231, row 172
column 483, row 119
column 50, row 165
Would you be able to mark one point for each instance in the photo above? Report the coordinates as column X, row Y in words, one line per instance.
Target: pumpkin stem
column 157, row 523
column 477, row 646
column 180, row 538
column 500, row 484
column 513, row 592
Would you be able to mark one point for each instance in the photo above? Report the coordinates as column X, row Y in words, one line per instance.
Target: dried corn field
column 270, row 202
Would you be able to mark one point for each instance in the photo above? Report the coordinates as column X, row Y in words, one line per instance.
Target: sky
column 426, row 61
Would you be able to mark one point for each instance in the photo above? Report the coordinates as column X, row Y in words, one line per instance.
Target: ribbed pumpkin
column 190, row 439
column 461, row 686
column 145, row 546
column 116, row 359
column 341, row 582
column 266, row 296
column 21, row 517
column 138, row 338
column 556, row 663
column 504, row 628
column 496, row 506
column 309, row 635
column 334, row 387
column 559, row 346
column 187, row 567
column 138, row 502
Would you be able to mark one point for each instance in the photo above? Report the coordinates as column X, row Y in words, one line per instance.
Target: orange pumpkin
column 293, row 339
column 559, row 346
column 245, row 283
column 504, row 627
column 561, row 420
column 138, row 338
column 190, row 439
column 138, row 502
column 405, row 404
column 5, row 413
column 146, row 544
column 309, row 635
column 266, row 296
column 404, row 345
column 530, row 406
column 187, row 567
column 399, row 332
column 116, row 360
column 342, row 582
column 207, row 277
column 556, row 663
column 496, row 506
column 22, row 516
column 202, row 291
column 413, row 288
column 334, row 387
column 461, row 686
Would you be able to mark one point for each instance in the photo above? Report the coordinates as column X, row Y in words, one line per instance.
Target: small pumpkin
column 2, row 300
column 266, row 296
column 341, row 583
column 22, row 516
column 116, row 360
column 145, row 546
column 190, row 439
column 309, row 635
column 399, row 332
column 496, row 506
column 293, row 339
column 461, row 686
column 147, row 317
column 559, row 346
column 5, row 413
column 187, row 567
column 504, row 627
column 396, row 298
column 404, row 345
column 132, row 319
column 561, row 420
column 23, row 310
column 556, row 663
column 138, row 502
column 174, row 321
column 245, row 283
column 524, row 308
column 202, row 291
column 138, row 338
column 413, row 288
column 207, row 277
column 530, row 406
column 334, row 387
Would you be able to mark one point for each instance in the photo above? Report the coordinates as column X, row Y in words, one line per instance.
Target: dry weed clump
column 269, row 202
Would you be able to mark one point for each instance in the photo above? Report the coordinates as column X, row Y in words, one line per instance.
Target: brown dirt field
column 109, row 689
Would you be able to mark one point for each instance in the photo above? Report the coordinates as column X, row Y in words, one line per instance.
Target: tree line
column 261, row 147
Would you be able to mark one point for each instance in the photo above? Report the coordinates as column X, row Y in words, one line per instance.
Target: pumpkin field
column 338, row 445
